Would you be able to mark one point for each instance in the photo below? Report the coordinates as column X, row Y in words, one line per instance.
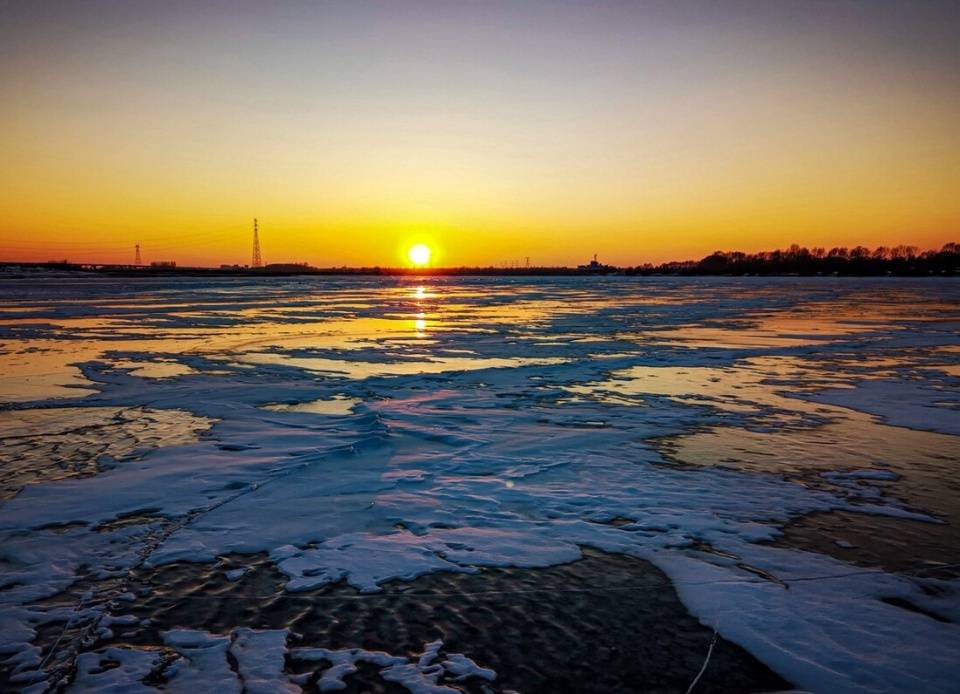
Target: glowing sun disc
column 419, row 254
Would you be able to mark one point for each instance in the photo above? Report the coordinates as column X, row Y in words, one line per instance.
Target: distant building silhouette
column 596, row 267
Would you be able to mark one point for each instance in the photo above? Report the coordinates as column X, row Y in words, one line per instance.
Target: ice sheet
column 513, row 424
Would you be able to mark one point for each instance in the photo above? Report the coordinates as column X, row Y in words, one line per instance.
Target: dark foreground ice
column 479, row 485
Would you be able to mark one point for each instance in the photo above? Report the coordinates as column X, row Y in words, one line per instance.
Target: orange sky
column 491, row 132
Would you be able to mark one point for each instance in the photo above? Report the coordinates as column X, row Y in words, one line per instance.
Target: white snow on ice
column 490, row 423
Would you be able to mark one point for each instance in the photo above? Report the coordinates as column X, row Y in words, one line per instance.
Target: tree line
column 798, row 260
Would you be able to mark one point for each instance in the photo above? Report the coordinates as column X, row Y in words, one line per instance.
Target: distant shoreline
column 883, row 261
column 148, row 271
column 27, row 268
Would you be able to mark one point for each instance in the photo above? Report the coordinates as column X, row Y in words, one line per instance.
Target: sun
column 419, row 254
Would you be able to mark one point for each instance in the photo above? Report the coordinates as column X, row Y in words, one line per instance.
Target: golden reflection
column 746, row 386
column 420, row 321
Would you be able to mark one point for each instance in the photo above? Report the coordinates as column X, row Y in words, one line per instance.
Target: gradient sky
column 642, row 131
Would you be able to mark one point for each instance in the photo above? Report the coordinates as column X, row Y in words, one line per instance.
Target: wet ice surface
column 361, row 432
column 59, row 442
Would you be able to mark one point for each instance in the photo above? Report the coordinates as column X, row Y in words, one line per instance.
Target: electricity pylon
column 257, row 259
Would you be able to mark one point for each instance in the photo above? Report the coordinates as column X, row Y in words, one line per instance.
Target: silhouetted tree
column 797, row 260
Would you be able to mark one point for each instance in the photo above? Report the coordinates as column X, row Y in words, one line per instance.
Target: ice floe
column 513, row 424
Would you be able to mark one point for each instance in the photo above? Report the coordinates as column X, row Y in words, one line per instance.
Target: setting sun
column 419, row 254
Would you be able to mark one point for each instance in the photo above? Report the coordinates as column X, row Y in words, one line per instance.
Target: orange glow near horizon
column 489, row 133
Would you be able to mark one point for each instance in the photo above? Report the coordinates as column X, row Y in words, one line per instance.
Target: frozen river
column 446, row 485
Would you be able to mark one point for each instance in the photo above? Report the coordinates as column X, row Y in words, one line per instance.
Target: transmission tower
column 257, row 259
column 136, row 260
